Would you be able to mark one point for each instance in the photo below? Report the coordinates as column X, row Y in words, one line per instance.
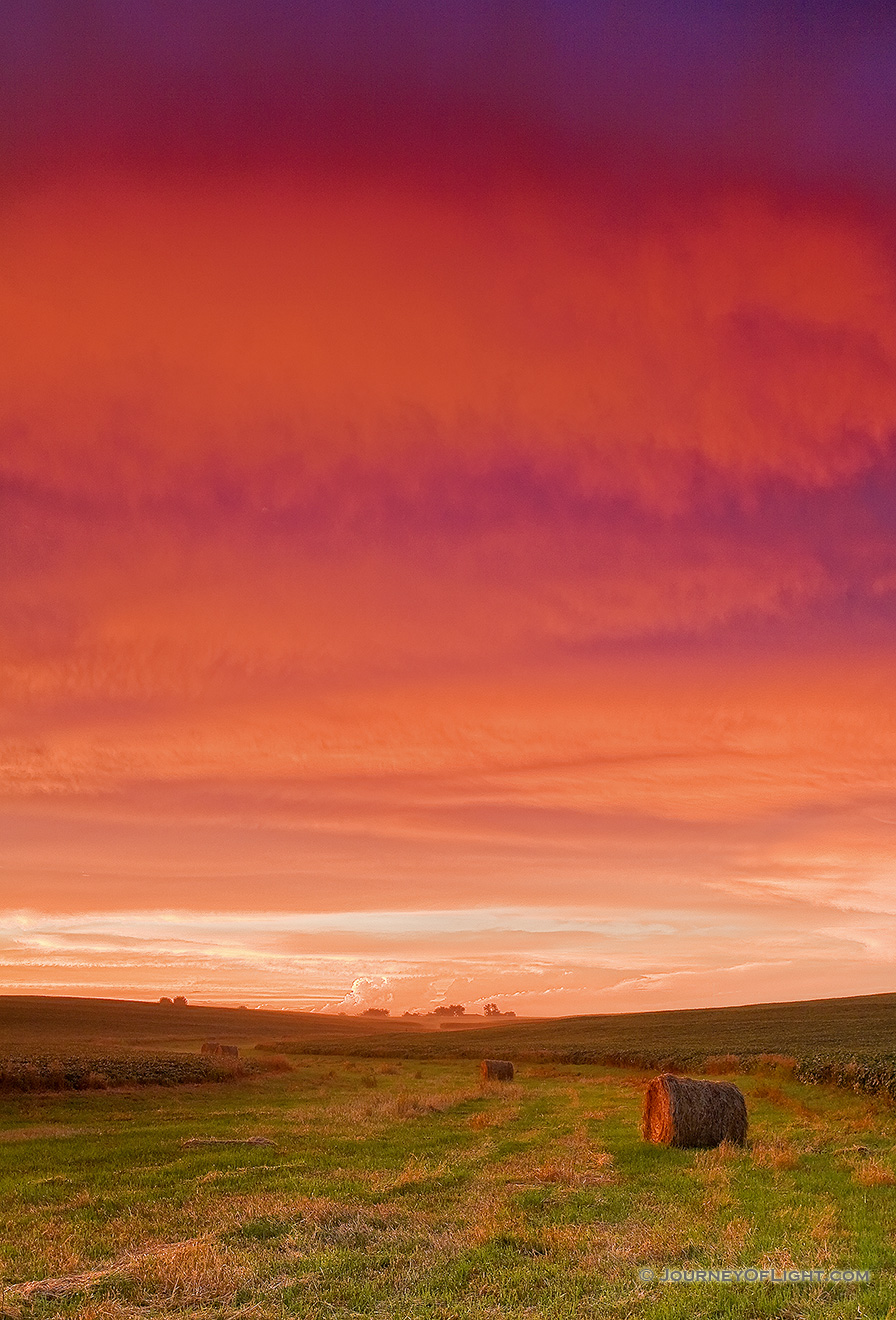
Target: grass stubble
column 346, row 1188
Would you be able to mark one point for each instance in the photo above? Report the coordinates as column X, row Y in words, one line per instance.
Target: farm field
column 400, row 1188
column 861, row 1025
column 44, row 1021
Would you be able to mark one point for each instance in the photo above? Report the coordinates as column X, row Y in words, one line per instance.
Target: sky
column 448, row 502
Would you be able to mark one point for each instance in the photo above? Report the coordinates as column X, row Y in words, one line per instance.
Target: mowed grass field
column 401, row 1188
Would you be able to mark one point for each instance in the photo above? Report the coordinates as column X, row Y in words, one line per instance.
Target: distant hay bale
column 496, row 1070
column 682, row 1111
column 211, row 1047
column 228, row 1051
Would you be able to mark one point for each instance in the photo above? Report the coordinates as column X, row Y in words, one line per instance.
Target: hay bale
column 496, row 1070
column 682, row 1111
column 211, row 1047
column 228, row 1051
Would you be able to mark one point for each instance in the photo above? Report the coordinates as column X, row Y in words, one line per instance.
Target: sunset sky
column 448, row 502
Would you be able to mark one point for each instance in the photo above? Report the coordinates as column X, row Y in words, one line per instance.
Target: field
column 402, row 1189
column 848, row 1041
column 46, row 1022
column 337, row 1185
column 862, row 1025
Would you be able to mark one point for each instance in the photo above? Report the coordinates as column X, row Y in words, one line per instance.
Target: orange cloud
column 378, row 548
column 150, row 330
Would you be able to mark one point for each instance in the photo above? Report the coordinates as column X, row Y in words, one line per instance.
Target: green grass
column 401, row 1189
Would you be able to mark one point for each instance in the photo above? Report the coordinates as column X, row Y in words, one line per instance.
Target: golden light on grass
column 451, row 1191
column 872, row 1171
column 775, row 1153
column 575, row 1161
column 197, row 1271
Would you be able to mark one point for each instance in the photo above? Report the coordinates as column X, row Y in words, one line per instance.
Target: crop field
column 402, row 1188
column 862, row 1026
column 60, row 1071
column 45, row 1022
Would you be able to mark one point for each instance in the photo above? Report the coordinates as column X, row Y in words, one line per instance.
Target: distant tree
column 164, row 1000
column 411, row 1013
column 375, row 1012
column 491, row 1010
column 449, row 1010
column 180, row 1001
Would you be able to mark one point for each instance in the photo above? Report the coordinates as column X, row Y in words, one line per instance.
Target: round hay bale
column 496, row 1070
column 211, row 1047
column 682, row 1111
